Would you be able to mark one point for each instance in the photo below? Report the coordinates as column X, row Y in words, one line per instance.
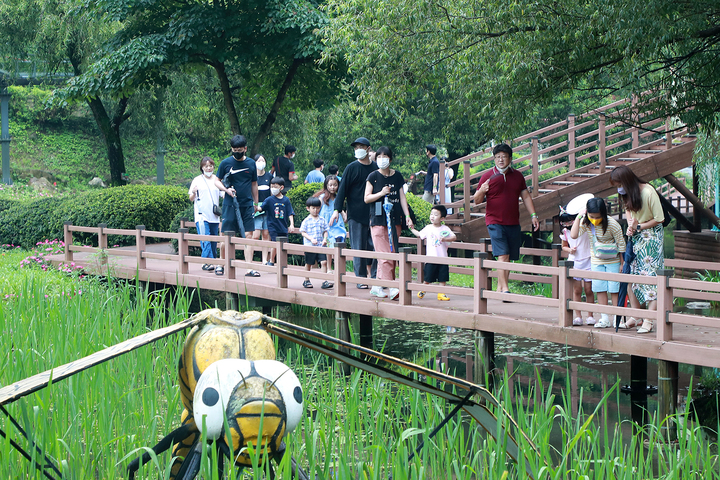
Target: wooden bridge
column 679, row 337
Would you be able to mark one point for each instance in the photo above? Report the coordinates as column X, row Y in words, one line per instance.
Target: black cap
column 361, row 141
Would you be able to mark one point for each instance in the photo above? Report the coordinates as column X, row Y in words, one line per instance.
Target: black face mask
column 238, row 155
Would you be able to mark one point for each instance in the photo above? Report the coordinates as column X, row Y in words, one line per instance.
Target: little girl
column 578, row 251
column 607, row 245
column 337, row 231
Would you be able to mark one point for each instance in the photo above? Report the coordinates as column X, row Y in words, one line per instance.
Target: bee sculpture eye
column 287, row 384
column 213, row 392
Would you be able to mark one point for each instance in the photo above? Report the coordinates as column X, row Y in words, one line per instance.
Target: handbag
column 604, row 251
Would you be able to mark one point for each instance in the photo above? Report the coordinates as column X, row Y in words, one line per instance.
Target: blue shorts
column 229, row 221
column 261, row 222
column 604, row 285
column 505, row 240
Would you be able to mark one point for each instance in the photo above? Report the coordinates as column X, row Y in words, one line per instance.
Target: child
column 579, row 252
column 607, row 245
column 279, row 211
column 337, row 231
column 314, row 230
column 438, row 236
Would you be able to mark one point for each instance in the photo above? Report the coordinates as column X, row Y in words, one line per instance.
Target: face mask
column 238, row 155
column 274, row 191
column 502, row 170
column 260, row 165
column 360, row 153
column 383, row 162
column 207, row 174
column 621, row 191
column 595, row 221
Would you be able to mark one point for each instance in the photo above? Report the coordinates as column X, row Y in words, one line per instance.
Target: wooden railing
column 480, row 268
column 561, row 147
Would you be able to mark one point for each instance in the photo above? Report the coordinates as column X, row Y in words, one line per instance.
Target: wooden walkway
column 684, row 338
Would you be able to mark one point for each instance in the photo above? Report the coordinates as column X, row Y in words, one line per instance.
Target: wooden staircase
column 566, row 159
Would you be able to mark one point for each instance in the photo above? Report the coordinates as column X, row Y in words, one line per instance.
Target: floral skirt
column 648, row 246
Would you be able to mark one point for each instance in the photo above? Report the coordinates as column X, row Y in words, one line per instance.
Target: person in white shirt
column 205, row 196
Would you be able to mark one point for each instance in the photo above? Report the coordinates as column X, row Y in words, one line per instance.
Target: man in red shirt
column 501, row 187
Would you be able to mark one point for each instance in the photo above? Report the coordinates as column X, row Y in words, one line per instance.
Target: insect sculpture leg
column 191, row 465
column 176, row 436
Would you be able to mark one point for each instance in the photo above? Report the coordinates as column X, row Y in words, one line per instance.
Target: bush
column 298, row 196
column 120, row 207
column 419, row 212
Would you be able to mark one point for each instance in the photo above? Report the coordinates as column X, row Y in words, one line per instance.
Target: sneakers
column 394, row 294
column 421, row 295
column 578, row 321
column 604, row 322
column 589, row 320
column 378, row 292
column 442, row 297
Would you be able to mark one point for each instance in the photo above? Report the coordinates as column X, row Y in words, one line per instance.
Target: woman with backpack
column 645, row 229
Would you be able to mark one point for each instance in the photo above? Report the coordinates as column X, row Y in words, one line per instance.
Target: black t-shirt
column 352, row 189
column 377, row 211
column 264, row 186
column 433, row 169
column 283, row 167
column 241, row 176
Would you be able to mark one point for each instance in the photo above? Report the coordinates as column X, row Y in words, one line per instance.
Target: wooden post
column 466, row 191
column 441, row 182
column 229, row 255
column 571, row 141
column 421, row 265
column 480, row 276
column 664, row 304
column 697, row 218
column 366, row 331
column 601, row 142
column 342, row 331
column 103, row 243
column 67, row 239
column 535, row 167
column 556, row 248
column 282, row 262
column 485, row 363
column 668, row 135
column 565, row 291
column 667, row 398
column 638, row 389
column 405, row 276
column 340, row 270
column 140, row 247
column 182, row 250
column 636, row 117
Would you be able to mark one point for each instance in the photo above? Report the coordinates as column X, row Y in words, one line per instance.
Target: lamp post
column 5, row 131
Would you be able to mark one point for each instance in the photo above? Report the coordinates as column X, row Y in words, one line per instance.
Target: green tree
column 504, row 57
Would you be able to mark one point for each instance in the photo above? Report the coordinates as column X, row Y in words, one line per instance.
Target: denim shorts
column 605, row 285
column 261, row 222
column 506, row 240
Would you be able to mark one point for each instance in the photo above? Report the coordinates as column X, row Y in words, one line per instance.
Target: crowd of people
column 367, row 206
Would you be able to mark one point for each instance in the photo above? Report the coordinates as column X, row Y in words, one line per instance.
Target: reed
column 355, row 426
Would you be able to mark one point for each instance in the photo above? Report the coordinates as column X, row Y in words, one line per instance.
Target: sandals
column 327, row 285
column 421, row 295
column 252, row 273
column 208, row 268
column 647, row 326
column 630, row 323
column 219, row 270
column 307, row 284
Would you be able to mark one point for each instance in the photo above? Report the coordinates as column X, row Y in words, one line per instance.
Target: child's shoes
column 577, row 322
column 442, row 297
column 421, row 295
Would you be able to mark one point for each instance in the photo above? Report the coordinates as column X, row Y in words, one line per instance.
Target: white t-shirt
column 582, row 243
column 207, row 195
column 435, row 246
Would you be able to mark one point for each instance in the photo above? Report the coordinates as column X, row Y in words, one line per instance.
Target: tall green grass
column 356, row 426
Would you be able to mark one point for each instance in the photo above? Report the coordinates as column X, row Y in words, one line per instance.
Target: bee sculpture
column 233, row 389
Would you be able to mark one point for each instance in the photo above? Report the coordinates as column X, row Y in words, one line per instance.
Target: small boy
column 279, row 210
column 438, row 236
column 314, row 230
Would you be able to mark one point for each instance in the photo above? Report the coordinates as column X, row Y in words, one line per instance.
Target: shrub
column 419, row 212
column 121, row 207
column 298, row 196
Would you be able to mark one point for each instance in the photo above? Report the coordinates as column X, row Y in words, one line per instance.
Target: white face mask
column 383, row 162
column 274, row 191
column 621, row 191
column 502, row 170
column 207, row 174
column 260, row 165
column 361, row 153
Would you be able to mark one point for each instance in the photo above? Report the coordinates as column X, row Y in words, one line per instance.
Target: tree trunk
column 279, row 99
column 227, row 96
column 110, row 129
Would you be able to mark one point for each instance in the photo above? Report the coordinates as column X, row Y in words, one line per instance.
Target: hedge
column 33, row 221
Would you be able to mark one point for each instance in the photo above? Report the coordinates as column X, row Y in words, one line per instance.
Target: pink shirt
column 435, row 246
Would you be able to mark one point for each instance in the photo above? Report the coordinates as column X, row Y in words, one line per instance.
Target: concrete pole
column 5, row 132
column 668, row 394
